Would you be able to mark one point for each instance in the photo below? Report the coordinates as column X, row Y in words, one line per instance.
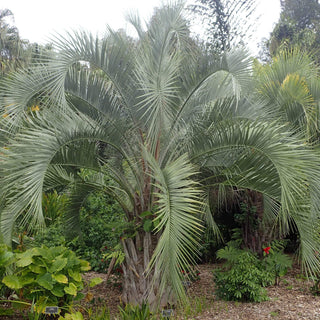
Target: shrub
column 47, row 274
column 276, row 262
column 101, row 223
column 241, row 279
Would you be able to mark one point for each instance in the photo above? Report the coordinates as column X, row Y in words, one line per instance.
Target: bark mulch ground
column 291, row 299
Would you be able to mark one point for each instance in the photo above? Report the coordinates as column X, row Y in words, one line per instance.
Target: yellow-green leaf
column 61, row 278
column 12, row 282
column 84, row 265
column 71, row 289
column 75, row 275
column 95, row 281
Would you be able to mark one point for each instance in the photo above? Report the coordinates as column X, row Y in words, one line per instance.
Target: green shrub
column 51, row 236
column 242, row 278
column 276, row 262
column 101, row 224
column 47, row 274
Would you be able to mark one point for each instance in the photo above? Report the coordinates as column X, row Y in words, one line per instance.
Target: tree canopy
column 298, row 26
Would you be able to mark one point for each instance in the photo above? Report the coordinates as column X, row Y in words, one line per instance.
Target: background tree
column 16, row 52
column 227, row 23
column 299, row 25
column 11, row 46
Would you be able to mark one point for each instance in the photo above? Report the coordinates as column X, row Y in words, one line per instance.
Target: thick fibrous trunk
column 139, row 284
column 255, row 237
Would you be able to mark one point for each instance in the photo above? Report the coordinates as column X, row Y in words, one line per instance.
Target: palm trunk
column 140, row 285
column 257, row 235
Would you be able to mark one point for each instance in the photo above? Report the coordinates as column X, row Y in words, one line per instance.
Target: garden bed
column 292, row 299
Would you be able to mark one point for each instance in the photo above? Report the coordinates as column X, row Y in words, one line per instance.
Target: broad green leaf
column 79, row 296
column 6, row 257
column 45, row 281
column 58, row 290
column 95, row 281
column 58, row 264
column 24, row 259
column 147, row 225
column 145, row 214
column 61, row 278
column 75, row 275
column 37, row 269
column 71, row 289
column 27, row 279
column 84, row 265
column 12, row 282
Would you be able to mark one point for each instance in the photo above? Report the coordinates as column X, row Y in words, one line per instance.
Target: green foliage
column 117, row 253
column 315, row 289
column 54, row 205
column 298, row 26
column 72, row 316
column 131, row 312
column 101, row 313
column 276, row 262
column 241, row 279
column 53, row 274
column 51, row 236
column 102, row 224
column 161, row 119
column 6, row 258
column 244, row 275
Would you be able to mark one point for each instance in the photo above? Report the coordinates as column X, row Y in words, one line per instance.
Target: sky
column 38, row 20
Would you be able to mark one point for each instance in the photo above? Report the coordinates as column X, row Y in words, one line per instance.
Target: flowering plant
column 266, row 250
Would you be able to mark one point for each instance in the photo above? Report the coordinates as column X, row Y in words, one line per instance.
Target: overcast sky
column 37, row 20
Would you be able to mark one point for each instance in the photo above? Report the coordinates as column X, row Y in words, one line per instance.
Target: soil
column 291, row 299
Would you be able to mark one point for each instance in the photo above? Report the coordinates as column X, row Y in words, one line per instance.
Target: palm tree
column 288, row 89
column 164, row 124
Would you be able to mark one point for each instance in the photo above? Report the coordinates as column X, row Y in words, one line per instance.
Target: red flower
column 266, row 250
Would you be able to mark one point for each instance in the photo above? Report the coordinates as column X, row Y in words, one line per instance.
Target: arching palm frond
column 289, row 92
column 178, row 206
column 268, row 159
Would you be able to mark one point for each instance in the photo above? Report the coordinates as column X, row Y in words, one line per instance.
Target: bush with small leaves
column 241, row 279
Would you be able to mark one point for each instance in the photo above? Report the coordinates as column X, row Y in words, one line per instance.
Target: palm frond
column 178, row 206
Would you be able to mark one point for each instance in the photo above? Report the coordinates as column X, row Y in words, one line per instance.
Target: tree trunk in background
column 256, row 234
column 138, row 285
